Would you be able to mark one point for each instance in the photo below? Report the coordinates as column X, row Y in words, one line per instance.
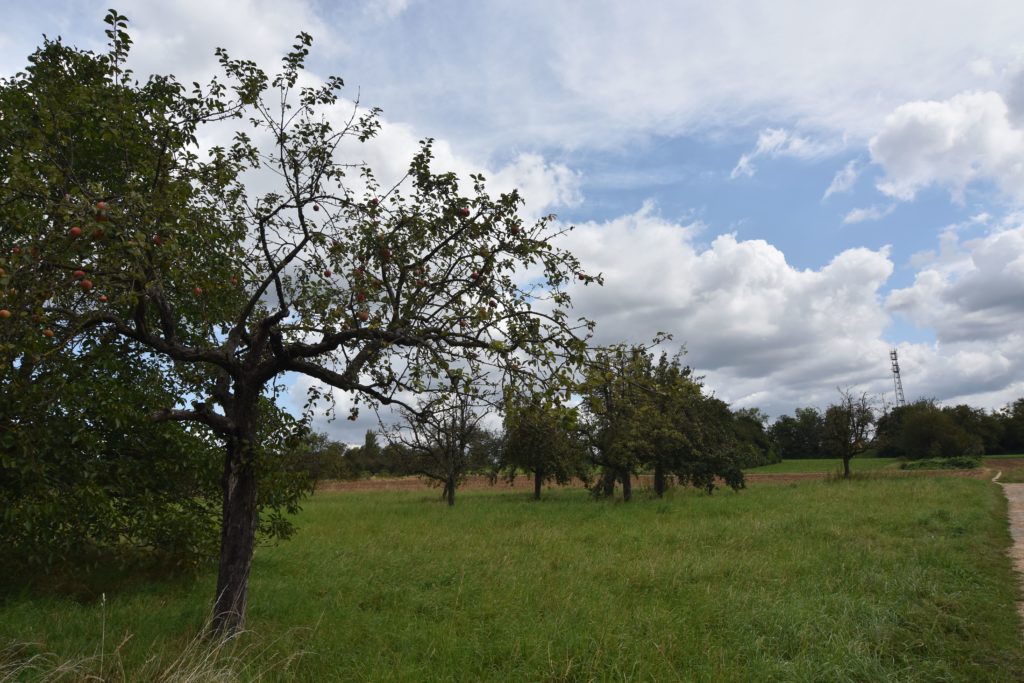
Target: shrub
column 960, row 462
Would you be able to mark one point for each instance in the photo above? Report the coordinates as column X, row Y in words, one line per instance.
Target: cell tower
column 897, row 382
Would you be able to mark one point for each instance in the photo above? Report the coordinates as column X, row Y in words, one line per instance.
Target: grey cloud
column 976, row 292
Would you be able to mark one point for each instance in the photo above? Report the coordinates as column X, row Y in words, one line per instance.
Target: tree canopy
column 646, row 411
column 542, row 437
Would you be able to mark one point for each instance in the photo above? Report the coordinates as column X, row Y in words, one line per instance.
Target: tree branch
column 201, row 412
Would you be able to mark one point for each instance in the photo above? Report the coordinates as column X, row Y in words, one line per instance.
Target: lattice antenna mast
column 897, row 382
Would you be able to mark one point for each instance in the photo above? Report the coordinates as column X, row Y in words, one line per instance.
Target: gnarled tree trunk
column 239, row 520
column 538, row 481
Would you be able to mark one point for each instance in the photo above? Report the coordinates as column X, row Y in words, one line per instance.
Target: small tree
column 443, row 441
column 541, row 437
column 847, row 427
column 612, row 390
column 669, row 417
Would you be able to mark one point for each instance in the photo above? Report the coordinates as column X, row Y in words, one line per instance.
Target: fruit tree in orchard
column 378, row 291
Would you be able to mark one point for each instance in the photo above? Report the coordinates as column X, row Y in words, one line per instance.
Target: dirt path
column 1015, row 495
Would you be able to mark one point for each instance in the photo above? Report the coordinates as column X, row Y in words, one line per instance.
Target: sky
column 790, row 189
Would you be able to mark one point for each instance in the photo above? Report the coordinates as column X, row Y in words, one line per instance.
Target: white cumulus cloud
column 750, row 321
column 950, row 143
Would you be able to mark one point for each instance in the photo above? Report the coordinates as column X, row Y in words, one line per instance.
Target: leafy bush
column 961, row 462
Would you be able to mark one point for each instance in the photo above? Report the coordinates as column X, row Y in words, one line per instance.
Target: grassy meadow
column 875, row 579
column 826, row 465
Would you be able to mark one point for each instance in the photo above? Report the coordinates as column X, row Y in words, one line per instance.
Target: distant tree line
column 918, row 430
column 642, row 415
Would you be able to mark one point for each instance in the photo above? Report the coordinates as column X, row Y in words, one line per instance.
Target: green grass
column 902, row 579
column 826, row 465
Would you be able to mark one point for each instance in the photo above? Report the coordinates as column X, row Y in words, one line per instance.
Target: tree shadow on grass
column 93, row 574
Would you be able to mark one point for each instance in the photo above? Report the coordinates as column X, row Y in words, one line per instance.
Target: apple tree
column 644, row 412
column 377, row 291
column 847, row 427
column 442, row 440
column 83, row 473
column 542, row 437
column 612, row 390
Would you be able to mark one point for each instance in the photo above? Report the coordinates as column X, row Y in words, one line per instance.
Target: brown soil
column 997, row 464
column 525, row 483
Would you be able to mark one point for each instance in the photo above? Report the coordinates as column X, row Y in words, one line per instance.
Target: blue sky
column 789, row 188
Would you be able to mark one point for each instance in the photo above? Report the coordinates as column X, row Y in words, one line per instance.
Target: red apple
column 86, row 284
column 514, row 230
column 475, row 275
column 363, row 315
column 4, row 313
column 492, row 303
column 464, row 212
column 374, row 201
column 79, row 274
column 101, row 218
column 420, row 282
column 103, row 298
column 582, row 276
column 48, row 332
column 198, row 291
column 385, row 254
column 75, row 232
column 102, row 206
column 327, row 273
column 234, row 280
column 97, row 234
column 158, row 240
column 360, row 297
column 16, row 251
column 316, row 207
